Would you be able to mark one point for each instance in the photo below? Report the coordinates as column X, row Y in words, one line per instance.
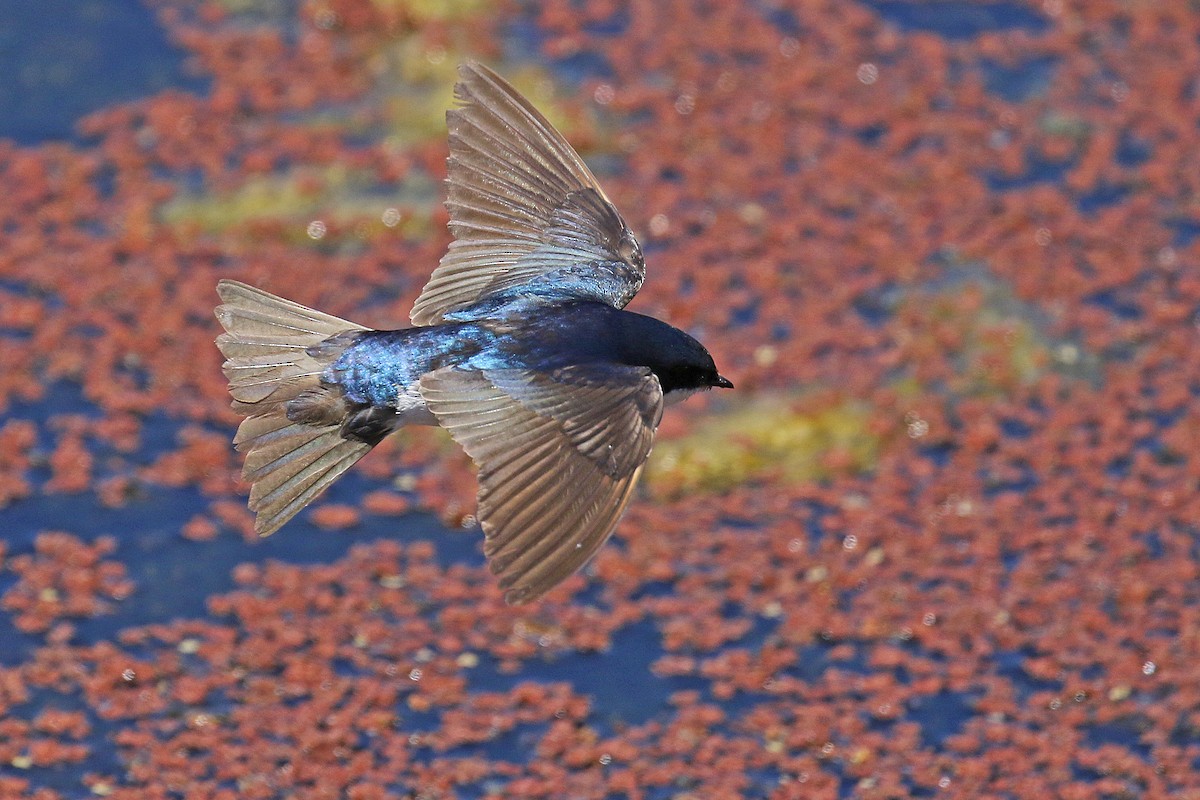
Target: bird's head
column 683, row 365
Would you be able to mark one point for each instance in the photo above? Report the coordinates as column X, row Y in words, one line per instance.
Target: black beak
column 723, row 382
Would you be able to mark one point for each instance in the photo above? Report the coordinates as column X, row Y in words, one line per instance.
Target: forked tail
column 271, row 359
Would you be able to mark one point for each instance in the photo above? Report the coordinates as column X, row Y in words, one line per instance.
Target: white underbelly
column 411, row 408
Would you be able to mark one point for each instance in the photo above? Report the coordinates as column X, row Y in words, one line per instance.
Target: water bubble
column 1149, row 668
column 685, row 104
column 789, row 47
column 414, row 674
column 929, row 620
column 659, row 225
column 1042, row 236
column 128, row 675
column 917, row 427
column 390, row 217
column 604, row 94
column 605, row 759
column 867, row 73
column 850, row 542
column 944, row 782
column 325, row 19
column 752, row 213
column 316, row 229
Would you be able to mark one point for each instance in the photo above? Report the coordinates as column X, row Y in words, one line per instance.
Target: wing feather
column 526, row 213
column 558, row 455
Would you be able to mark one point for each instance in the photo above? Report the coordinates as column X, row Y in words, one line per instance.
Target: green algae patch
column 308, row 205
column 972, row 337
column 411, row 75
column 994, row 346
column 259, row 10
column 413, row 86
column 424, row 11
column 773, row 436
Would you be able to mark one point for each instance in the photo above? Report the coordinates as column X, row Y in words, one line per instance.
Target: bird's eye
column 630, row 251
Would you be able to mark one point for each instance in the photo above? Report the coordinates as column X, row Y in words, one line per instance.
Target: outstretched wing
column 527, row 215
column 558, row 456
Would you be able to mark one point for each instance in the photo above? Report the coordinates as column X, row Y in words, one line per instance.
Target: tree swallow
column 520, row 349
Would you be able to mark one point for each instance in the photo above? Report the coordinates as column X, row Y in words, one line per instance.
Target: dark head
column 680, row 362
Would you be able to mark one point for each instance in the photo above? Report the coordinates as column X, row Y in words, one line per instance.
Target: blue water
column 958, row 20
column 62, row 59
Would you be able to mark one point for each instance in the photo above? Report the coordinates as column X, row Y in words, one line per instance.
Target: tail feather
column 266, row 314
column 293, row 468
column 255, row 381
column 246, row 346
column 266, row 345
column 272, row 357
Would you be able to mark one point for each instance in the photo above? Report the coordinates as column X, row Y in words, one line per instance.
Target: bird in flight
column 519, row 348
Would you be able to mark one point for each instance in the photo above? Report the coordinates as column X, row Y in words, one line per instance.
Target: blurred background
column 941, row 541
